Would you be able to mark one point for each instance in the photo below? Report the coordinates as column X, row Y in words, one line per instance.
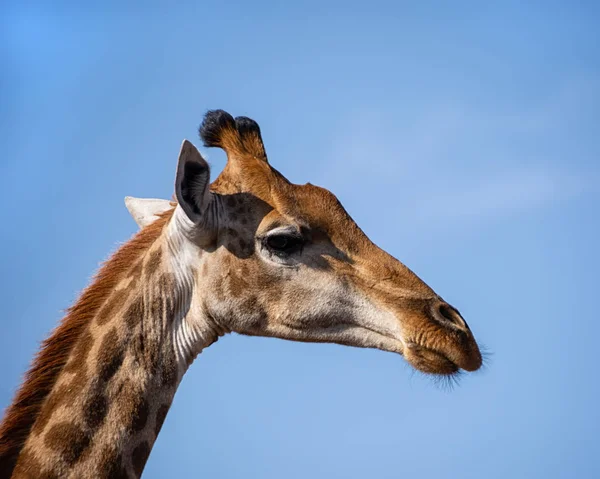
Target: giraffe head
column 271, row 258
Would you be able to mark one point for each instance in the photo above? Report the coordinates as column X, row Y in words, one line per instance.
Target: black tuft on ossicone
column 246, row 125
column 250, row 136
column 215, row 121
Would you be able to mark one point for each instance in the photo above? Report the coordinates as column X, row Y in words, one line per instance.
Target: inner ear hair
column 192, row 183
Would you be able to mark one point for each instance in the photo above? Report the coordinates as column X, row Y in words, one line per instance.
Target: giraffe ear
column 146, row 210
column 192, row 182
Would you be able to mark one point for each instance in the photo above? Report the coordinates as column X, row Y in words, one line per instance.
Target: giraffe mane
column 55, row 350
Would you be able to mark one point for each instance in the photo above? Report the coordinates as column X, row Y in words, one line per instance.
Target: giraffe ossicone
column 251, row 253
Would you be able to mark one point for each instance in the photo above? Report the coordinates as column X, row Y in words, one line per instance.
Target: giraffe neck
column 109, row 402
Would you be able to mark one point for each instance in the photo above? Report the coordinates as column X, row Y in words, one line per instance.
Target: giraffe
column 250, row 253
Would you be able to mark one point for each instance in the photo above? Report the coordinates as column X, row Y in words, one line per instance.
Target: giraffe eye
column 284, row 243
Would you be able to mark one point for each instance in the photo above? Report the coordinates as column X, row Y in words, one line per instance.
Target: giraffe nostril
column 450, row 314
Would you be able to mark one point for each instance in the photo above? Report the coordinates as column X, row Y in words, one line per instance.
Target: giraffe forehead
column 305, row 204
column 318, row 209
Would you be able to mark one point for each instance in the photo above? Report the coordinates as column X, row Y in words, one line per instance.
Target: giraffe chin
column 430, row 361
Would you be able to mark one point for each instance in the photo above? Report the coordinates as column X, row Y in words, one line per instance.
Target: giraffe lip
column 428, row 360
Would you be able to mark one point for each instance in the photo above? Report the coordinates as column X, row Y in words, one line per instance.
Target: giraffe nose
column 444, row 313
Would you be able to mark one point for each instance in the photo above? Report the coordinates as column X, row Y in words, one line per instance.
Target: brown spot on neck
column 112, row 306
column 96, row 408
column 153, row 262
column 111, row 464
column 68, row 440
column 139, row 457
column 110, row 356
column 140, row 416
column 161, row 415
column 134, row 313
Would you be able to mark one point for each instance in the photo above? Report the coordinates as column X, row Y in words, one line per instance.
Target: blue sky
column 464, row 139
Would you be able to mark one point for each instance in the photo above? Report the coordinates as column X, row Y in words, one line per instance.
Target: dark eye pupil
column 278, row 242
column 284, row 243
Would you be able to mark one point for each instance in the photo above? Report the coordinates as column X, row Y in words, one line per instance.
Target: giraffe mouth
column 430, row 361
